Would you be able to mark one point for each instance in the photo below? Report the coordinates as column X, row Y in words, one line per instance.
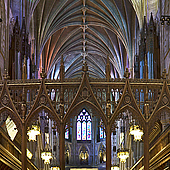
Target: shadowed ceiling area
column 84, row 30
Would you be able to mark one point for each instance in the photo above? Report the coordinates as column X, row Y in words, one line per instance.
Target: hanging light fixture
column 46, row 155
column 123, row 154
column 137, row 132
column 33, row 132
column 115, row 167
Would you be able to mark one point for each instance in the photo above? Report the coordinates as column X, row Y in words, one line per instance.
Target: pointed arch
column 84, row 98
column 157, row 115
column 84, row 146
column 42, row 101
column 87, row 105
column 137, row 115
column 7, row 103
column 163, row 102
column 127, row 100
column 12, row 115
column 34, row 114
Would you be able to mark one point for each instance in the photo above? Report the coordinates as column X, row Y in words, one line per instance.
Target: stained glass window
column 67, row 133
column 102, row 131
column 88, row 130
column 84, row 130
column 84, row 126
column 78, row 130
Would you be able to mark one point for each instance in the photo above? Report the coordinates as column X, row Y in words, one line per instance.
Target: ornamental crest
column 127, row 99
column 42, row 99
column 5, row 100
column 165, row 100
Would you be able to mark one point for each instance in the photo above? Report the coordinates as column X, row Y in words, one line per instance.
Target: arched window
column 84, row 126
column 102, row 130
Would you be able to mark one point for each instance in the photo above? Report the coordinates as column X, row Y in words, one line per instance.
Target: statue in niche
column 83, row 156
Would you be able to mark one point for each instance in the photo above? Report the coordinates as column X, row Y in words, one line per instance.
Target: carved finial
column 145, row 69
column 145, row 26
column 85, row 67
column 127, row 74
column 43, row 74
column 24, row 69
column 164, row 74
column 108, row 69
column 151, row 23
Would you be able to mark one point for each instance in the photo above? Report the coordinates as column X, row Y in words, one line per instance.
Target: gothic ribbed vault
column 84, row 30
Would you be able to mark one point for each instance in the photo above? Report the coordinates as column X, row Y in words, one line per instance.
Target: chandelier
column 123, row 154
column 115, row 167
column 136, row 132
column 46, row 154
column 33, row 132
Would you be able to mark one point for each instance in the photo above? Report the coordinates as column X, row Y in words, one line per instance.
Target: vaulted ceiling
column 83, row 30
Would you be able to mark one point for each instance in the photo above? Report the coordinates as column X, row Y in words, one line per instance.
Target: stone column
column 62, row 146
column 146, row 147
column 23, row 147
column 108, row 147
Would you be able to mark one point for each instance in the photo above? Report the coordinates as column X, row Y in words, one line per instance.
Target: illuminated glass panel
column 84, row 130
column 88, row 130
column 11, row 128
column 101, row 133
column 78, row 130
column 67, row 133
column 104, row 134
column 121, row 137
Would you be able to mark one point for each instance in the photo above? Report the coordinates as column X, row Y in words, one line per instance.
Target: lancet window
column 84, row 126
